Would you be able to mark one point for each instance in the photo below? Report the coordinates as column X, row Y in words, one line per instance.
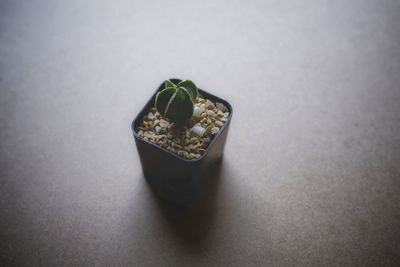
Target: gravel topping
column 191, row 140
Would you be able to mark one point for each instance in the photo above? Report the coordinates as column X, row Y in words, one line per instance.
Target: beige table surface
column 311, row 172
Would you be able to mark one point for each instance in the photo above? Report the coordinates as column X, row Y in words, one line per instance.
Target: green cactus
column 175, row 102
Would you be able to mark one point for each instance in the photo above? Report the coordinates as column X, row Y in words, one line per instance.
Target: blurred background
column 311, row 172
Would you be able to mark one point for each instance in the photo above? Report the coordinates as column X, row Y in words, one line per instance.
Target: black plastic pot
column 171, row 177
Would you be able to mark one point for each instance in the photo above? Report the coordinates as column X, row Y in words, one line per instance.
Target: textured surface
column 311, row 173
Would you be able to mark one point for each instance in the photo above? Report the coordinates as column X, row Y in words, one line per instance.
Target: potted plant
column 179, row 133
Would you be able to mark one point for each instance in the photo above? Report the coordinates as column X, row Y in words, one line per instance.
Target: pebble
column 198, row 130
column 197, row 112
column 221, row 107
column 210, row 113
column 151, row 116
column 209, row 105
column 219, row 123
column 163, row 123
column 214, row 130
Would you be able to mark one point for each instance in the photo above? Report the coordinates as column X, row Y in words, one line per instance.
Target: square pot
column 171, row 177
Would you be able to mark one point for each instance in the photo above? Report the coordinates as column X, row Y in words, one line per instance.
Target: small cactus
column 175, row 101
